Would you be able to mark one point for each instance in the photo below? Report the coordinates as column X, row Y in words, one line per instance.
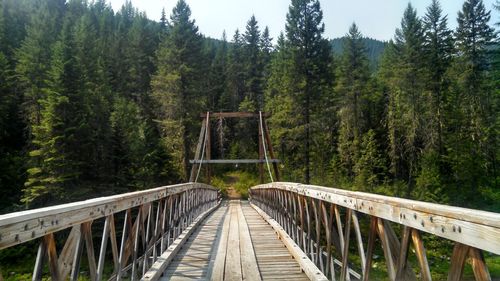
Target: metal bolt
column 26, row 227
column 415, row 216
column 442, row 229
column 423, row 224
column 431, row 219
column 16, row 238
column 32, row 234
column 454, row 229
column 459, row 229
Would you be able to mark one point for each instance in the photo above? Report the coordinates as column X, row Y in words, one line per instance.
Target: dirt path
column 231, row 192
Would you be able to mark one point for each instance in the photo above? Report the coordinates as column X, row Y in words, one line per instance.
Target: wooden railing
column 320, row 219
column 139, row 226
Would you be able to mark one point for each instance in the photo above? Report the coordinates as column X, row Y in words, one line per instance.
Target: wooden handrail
column 309, row 214
column 147, row 220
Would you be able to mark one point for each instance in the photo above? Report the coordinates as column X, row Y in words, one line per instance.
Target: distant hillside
column 374, row 49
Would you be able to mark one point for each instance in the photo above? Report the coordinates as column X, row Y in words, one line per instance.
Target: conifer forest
column 95, row 102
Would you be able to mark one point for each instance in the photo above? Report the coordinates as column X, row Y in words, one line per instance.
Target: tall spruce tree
column 176, row 85
column 253, row 64
column 438, row 47
column 406, row 106
column 472, row 142
column 352, row 76
column 236, row 72
column 311, row 58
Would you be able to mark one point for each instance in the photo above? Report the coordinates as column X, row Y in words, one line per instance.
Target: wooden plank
column 20, row 227
column 249, row 268
column 458, row 258
column 208, row 148
column 233, row 258
column 418, row 244
column 89, row 246
column 75, row 270
column 271, row 151
column 65, row 260
column 194, row 168
column 345, row 252
column 38, row 270
column 309, row 268
column 403, row 254
column 359, row 239
column 234, row 115
column 50, row 245
column 234, row 161
column 384, row 239
column 102, row 252
column 261, row 151
column 475, row 228
column 369, row 251
column 479, row 265
column 220, row 258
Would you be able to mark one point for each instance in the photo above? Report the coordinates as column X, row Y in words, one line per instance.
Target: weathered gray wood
column 384, row 239
column 234, row 115
column 359, row 239
column 65, row 260
column 121, row 258
column 371, row 245
column 475, row 228
column 104, row 244
column 479, row 265
column 458, row 258
column 50, row 244
column 194, row 168
column 309, row 268
column 233, row 258
column 345, row 251
column 403, row 254
column 75, row 270
column 418, row 244
column 20, row 227
column 220, row 258
column 249, row 268
column 233, row 161
column 37, row 271
column 155, row 272
column 89, row 246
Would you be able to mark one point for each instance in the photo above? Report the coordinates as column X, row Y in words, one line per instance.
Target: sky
column 377, row 19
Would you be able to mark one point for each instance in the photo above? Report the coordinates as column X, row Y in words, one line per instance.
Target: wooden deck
column 234, row 243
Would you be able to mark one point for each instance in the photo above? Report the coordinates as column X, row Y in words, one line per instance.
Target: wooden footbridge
column 285, row 231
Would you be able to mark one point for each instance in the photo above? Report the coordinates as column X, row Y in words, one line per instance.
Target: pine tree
column 253, row 64
column 236, row 72
column 405, row 77
column 311, row 57
column 34, row 55
column 472, row 141
column 217, row 98
column 438, row 47
column 176, row 85
column 352, row 78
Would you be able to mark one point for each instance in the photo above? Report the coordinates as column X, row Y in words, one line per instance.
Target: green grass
column 239, row 180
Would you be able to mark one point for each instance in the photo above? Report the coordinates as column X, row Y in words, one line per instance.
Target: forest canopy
column 95, row 102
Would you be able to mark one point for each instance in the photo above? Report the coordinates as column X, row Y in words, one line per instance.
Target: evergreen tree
column 236, row 72
column 176, row 85
column 253, row 64
column 472, row 141
column 217, row 98
column 353, row 78
column 406, row 108
column 311, row 57
column 438, row 47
